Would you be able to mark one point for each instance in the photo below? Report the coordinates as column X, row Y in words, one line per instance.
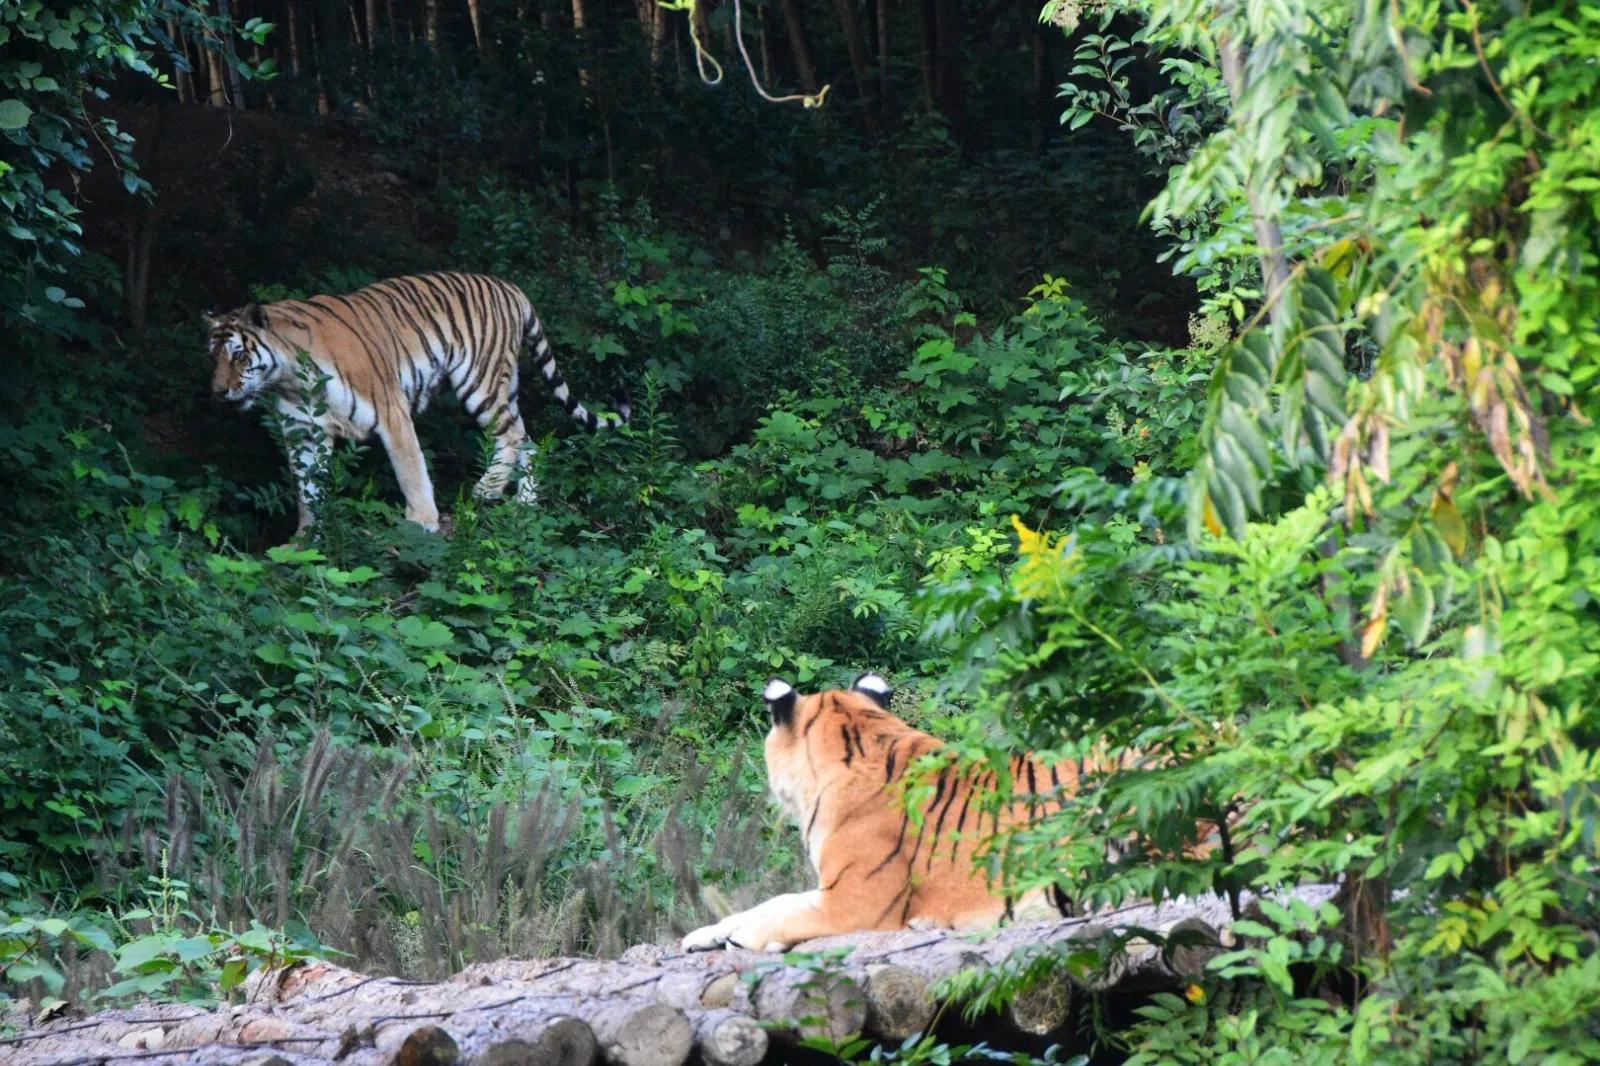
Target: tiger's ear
column 212, row 319
column 874, row 687
column 780, row 697
column 256, row 316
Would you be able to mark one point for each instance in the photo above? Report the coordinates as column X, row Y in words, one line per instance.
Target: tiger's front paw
column 706, row 937
column 428, row 520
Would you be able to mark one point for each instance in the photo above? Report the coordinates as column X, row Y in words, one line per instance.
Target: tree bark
column 1269, row 236
column 291, row 20
column 857, row 46
column 799, row 48
column 235, row 82
column 929, row 44
column 181, row 67
column 949, row 63
column 430, row 23
column 216, row 82
column 475, row 16
column 881, row 9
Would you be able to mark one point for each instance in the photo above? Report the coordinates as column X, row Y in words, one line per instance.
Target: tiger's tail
column 545, row 360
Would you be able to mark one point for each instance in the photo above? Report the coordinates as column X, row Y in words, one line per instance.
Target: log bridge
column 657, row 1006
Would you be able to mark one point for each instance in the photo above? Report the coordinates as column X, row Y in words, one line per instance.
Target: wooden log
column 501, row 1039
column 799, row 1004
column 265, row 1032
column 629, row 1034
column 685, row 988
column 657, row 1003
column 629, row 1030
column 895, row 998
column 1041, row 1008
column 1191, row 945
column 417, row 1045
column 70, row 1051
column 727, row 1038
column 899, row 1003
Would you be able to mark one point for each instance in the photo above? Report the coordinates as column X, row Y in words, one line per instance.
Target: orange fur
column 381, row 353
column 835, row 761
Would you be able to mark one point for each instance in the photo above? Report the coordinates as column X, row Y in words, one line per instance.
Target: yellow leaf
column 1447, row 519
column 1195, row 994
column 1372, row 635
column 1213, row 522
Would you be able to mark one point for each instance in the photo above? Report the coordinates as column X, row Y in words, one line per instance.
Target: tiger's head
column 836, row 727
column 244, row 361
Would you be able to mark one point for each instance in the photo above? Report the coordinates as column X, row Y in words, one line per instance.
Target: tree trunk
column 357, row 37
column 430, row 25
column 881, row 8
column 215, row 80
column 182, row 75
column 1269, row 235
column 475, row 16
column 949, row 62
column 291, row 18
column 794, row 25
column 324, row 103
column 1043, row 80
column 766, row 46
column 851, row 25
column 929, row 44
column 235, row 82
column 372, row 26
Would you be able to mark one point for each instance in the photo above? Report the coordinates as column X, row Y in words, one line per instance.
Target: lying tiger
column 384, row 350
column 832, row 759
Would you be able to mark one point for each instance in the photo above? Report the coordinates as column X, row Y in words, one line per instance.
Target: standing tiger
column 833, row 760
column 383, row 351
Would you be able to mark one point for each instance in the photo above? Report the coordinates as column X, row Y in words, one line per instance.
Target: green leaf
column 14, row 114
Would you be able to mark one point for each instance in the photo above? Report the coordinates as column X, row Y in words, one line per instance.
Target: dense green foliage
column 1330, row 568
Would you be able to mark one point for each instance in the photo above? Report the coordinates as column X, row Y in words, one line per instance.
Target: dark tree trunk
column 181, row 69
column 851, row 26
column 949, row 61
column 925, row 54
column 430, row 23
column 795, row 27
column 479, row 34
column 881, row 8
column 235, row 82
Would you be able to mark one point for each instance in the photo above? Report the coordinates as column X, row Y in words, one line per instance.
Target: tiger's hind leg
column 512, row 453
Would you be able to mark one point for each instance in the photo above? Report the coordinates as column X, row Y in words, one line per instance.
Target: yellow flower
column 1043, row 563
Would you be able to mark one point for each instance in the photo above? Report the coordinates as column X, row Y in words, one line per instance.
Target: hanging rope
column 703, row 56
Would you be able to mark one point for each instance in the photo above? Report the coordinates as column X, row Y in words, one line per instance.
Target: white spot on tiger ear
column 873, row 683
column 776, row 689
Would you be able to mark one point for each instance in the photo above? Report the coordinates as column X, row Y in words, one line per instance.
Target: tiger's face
column 244, row 364
column 830, row 726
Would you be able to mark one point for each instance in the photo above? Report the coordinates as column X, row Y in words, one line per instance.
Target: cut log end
column 426, row 1045
column 1191, row 945
column 899, row 1004
column 567, row 1042
column 1042, row 1008
column 649, row 1035
column 726, row 1038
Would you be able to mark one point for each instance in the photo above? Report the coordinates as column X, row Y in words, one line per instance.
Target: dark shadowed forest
column 1199, row 390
